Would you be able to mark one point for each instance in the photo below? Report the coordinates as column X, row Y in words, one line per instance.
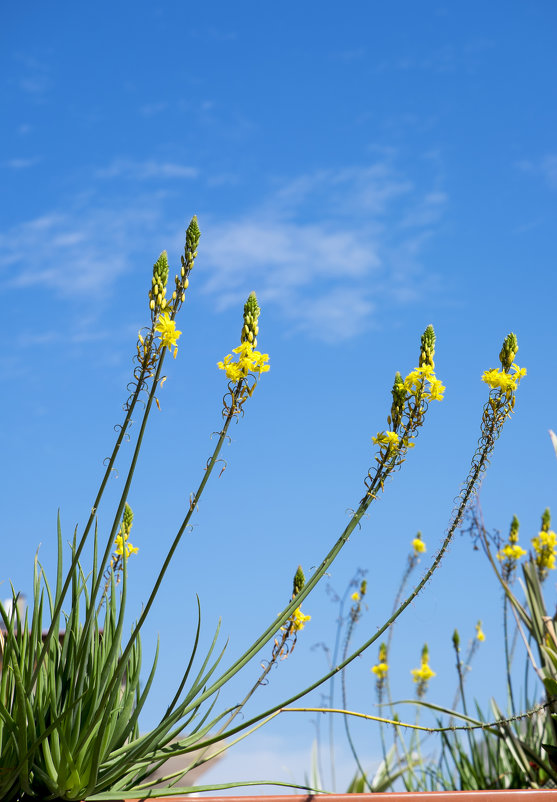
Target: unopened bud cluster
column 427, row 350
column 127, row 520
column 187, row 259
column 157, row 293
column 399, row 397
column 299, row 581
column 250, row 329
column 508, row 351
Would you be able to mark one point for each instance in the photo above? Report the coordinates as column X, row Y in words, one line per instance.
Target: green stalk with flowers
column 70, row 700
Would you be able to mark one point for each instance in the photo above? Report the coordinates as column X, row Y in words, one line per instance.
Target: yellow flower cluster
column 511, row 551
column 423, row 674
column 168, row 333
column 422, row 381
column 386, row 439
column 501, row 380
column 545, row 546
column 479, row 632
column 298, row 620
column 418, row 545
column 381, row 669
column 249, row 361
column 355, row 596
column 121, row 542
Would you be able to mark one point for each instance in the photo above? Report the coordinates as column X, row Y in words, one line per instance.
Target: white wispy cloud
column 77, row 252
column 544, row 167
column 329, row 250
column 144, row 170
column 19, row 164
column 332, row 244
column 33, row 75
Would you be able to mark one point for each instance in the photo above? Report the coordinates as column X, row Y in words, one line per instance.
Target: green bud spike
column 427, row 349
column 363, row 588
column 160, row 270
column 508, row 351
column 127, row 520
column 425, row 653
column 299, row 581
column 546, row 520
column 513, row 534
column 456, row 639
column 399, row 396
column 192, row 235
column 383, row 653
column 250, row 328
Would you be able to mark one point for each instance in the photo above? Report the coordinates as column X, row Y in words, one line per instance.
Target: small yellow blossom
column 167, row 330
column 299, row 620
column 510, row 552
column 380, row 670
column 422, row 381
column 506, row 382
column 386, row 439
column 423, row 674
column 545, row 546
column 479, row 632
column 355, row 596
column 120, row 542
column 418, row 545
column 436, row 390
column 249, row 361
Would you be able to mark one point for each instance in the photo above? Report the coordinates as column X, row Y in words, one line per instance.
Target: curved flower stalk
column 70, row 709
column 497, row 409
column 149, row 359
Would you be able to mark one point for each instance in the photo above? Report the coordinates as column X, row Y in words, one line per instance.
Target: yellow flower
column 386, row 439
column 355, row 596
column 120, row 543
column 423, row 380
column 299, row 620
column 511, row 552
column 167, row 330
column 418, row 545
column 423, row 674
column 545, row 546
column 436, row 390
column 380, row 670
column 506, row 382
column 249, row 361
column 479, row 632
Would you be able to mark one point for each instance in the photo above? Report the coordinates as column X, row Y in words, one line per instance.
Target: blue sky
column 367, row 170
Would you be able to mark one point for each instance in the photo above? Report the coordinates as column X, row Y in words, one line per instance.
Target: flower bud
column 427, row 349
column 508, row 351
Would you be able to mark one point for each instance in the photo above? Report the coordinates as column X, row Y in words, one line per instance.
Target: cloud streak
column 146, row 170
column 326, row 248
column 330, row 250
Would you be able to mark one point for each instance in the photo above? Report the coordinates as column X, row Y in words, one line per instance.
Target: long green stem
column 457, row 518
column 91, row 612
column 75, row 559
column 193, row 503
column 349, row 631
